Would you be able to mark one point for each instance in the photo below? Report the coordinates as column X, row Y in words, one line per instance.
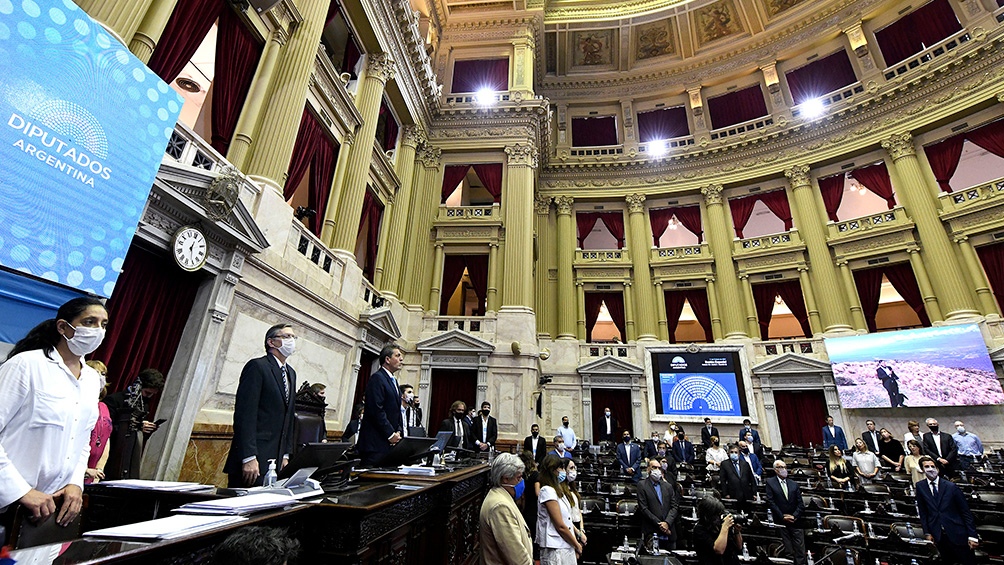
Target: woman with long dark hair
column 717, row 539
column 557, row 542
column 48, row 406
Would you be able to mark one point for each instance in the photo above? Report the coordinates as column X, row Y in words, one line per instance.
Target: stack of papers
column 166, row 528
column 169, row 486
column 418, row 470
column 238, row 505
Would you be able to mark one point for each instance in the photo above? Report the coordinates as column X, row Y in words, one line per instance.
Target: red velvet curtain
column 674, row 308
column 593, row 301
column 992, row 258
column 989, row 137
column 584, row 222
column 477, row 269
column 944, row 157
column 477, row 74
column 659, row 219
column 388, row 133
column 917, row 30
column 352, row 55
column 452, row 175
column 237, row 54
column 490, row 175
column 615, row 223
column 737, row 107
column 794, row 410
column 309, row 134
column 594, row 132
column 619, row 403
column 664, row 123
column 322, row 173
column 742, row 210
column 901, row 277
column 832, row 191
column 615, row 306
column 372, row 211
column 698, row 299
column 791, row 293
column 777, row 202
column 448, row 386
column 453, row 272
column 763, row 299
column 690, row 217
column 820, row 77
column 869, row 285
column 185, row 31
column 147, row 314
column 876, row 179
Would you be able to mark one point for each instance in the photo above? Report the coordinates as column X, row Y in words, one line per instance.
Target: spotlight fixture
column 188, row 85
column 658, row 148
column 485, row 97
column 813, row 108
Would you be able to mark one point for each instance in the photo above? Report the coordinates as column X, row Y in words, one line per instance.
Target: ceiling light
column 813, row 108
column 485, row 97
column 658, row 148
column 188, row 84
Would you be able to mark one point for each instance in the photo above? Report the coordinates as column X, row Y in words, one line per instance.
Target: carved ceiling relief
column 716, row 21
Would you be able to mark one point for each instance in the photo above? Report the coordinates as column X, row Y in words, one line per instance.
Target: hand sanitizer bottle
column 270, row 476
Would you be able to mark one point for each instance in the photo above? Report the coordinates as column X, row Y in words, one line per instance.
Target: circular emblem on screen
column 678, row 363
column 73, row 122
column 223, row 193
column 190, row 248
column 700, row 393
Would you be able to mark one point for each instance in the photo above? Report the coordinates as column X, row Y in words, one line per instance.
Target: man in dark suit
column 890, row 381
column 737, row 480
column 784, row 499
column 263, row 411
column 658, row 505
column 353, row 427
column 871, row 436
column 707, row 431
column 747, row 429
column 833, row 435
column 683, row 449
column 535, row 444
column 457, row 423
column 629, row 457
column 485, row 429
column 945, row 516
column 384, row 426
column 941, row 447
column 607, row 427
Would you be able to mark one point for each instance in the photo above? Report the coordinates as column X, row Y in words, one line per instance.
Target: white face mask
column 961, row 429
column 570, row 476
column 288, row 346
column 85, row 340
column 409, row 396
column 559, row 446
column 931, row 472
column 655, row 474
column 783, row 473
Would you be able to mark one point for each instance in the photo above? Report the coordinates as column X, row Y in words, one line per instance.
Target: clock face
column 190, row 249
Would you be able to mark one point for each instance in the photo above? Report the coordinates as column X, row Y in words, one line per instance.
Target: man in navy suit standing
column 383, row 427
column 945, row 516
column 263, row 411
column 629, row 457
column 683, row 449
column 784, row 500
column 833, row 435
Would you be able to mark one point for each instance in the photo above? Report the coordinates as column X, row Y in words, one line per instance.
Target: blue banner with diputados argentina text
column 83, row 127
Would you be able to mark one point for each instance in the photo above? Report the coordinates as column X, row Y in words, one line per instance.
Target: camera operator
column 717, row 538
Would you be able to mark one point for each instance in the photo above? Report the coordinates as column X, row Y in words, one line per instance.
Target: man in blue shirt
column 560, row 449
column 969, row 445
column 567, row 434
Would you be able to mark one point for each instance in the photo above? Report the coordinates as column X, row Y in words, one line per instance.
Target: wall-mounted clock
column 190, row 248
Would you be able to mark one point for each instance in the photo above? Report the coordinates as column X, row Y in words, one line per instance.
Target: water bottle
column 909, row 530
column 598, row 485
column 871, row 530
column 626, row 544
column 746, row 551
column 962, row 474
column 606, row 506
column 867, row 507
column 829, row 482
column 491, row 453
column 831, row 502
column 693, row 512
column 850, row 557
column 913, row 562
column 850, row 487
column 693, row 491
column 819, row 522
column 809, row 559
column 655, row 543
column 877, row 562
column 857, row 529
column 770, row 518
column 270, row 476
column 892, row 505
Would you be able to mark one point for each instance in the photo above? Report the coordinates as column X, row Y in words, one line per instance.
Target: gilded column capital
column 636, row 203
column 412, row 136
column 542, row 204
column 712, row 193
column 798, row 176
column 564, row 204
column 349, row 138
column 431, row 156
column 899, row 146
column 380, row 66
column 524, row 154
column 960, row 237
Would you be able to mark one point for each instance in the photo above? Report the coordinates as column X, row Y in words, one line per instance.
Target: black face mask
column 934, row 429
column 564, row 424
column 534, row 434
column 458, row 415
column 627, row 438
column 485, row 412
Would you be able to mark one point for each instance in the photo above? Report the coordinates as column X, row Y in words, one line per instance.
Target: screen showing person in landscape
column 698, row 384
column 946, row 366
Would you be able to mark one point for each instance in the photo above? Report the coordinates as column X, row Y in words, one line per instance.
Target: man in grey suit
column 658, row 505
column 784, row 501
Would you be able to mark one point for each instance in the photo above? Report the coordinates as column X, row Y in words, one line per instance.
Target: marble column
column 280, row 121
column 523, row 59
column 244, row 133
column 567, row 300
column 719, row 237
column 834, row 314
column 122, row 16
column 716, row 316
column 629, row 311
column 580, row 317
column 389, row 271
column 517, row 287
column 660, row 302
column 151, row 27
column 810, row 300
column 414, row 276
column 435, row 292
column 545, row 248
column 493, row 277
column 987, row 303
column 752, row 324
column 924, row 284
column 640, row 242
column 918, row 199
column 379, row 71
column 857, row 314
column 337, row 181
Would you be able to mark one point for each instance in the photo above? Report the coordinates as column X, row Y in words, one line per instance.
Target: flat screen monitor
column 408, row 450
column 699, row 384
column 320, row 455
column 944, row 366
column 441, row 439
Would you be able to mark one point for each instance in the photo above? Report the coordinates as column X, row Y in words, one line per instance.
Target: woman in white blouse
column 48, row 406
column 714, row 455
column 866, row 463
column 555, row 536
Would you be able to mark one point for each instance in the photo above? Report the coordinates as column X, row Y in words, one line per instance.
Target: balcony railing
column 775, row 240
column 887, row 219
column 187, row 148
column 744, row 127
column 700, row 251
column 674, row 143
column 947, row 45
column 972, row 197
column 602, row 256
column 463, row 213
column 594, row 350
column 833, row 98
column 800, row 346
column 483, row 326
column 598, row 151
column 308, row 245
column 486, row 99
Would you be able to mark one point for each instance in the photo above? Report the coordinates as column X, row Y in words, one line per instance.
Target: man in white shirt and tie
column 535, row 444
column 407, row 393
column 608, row 427
column 871, row 436
column 945, row 516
